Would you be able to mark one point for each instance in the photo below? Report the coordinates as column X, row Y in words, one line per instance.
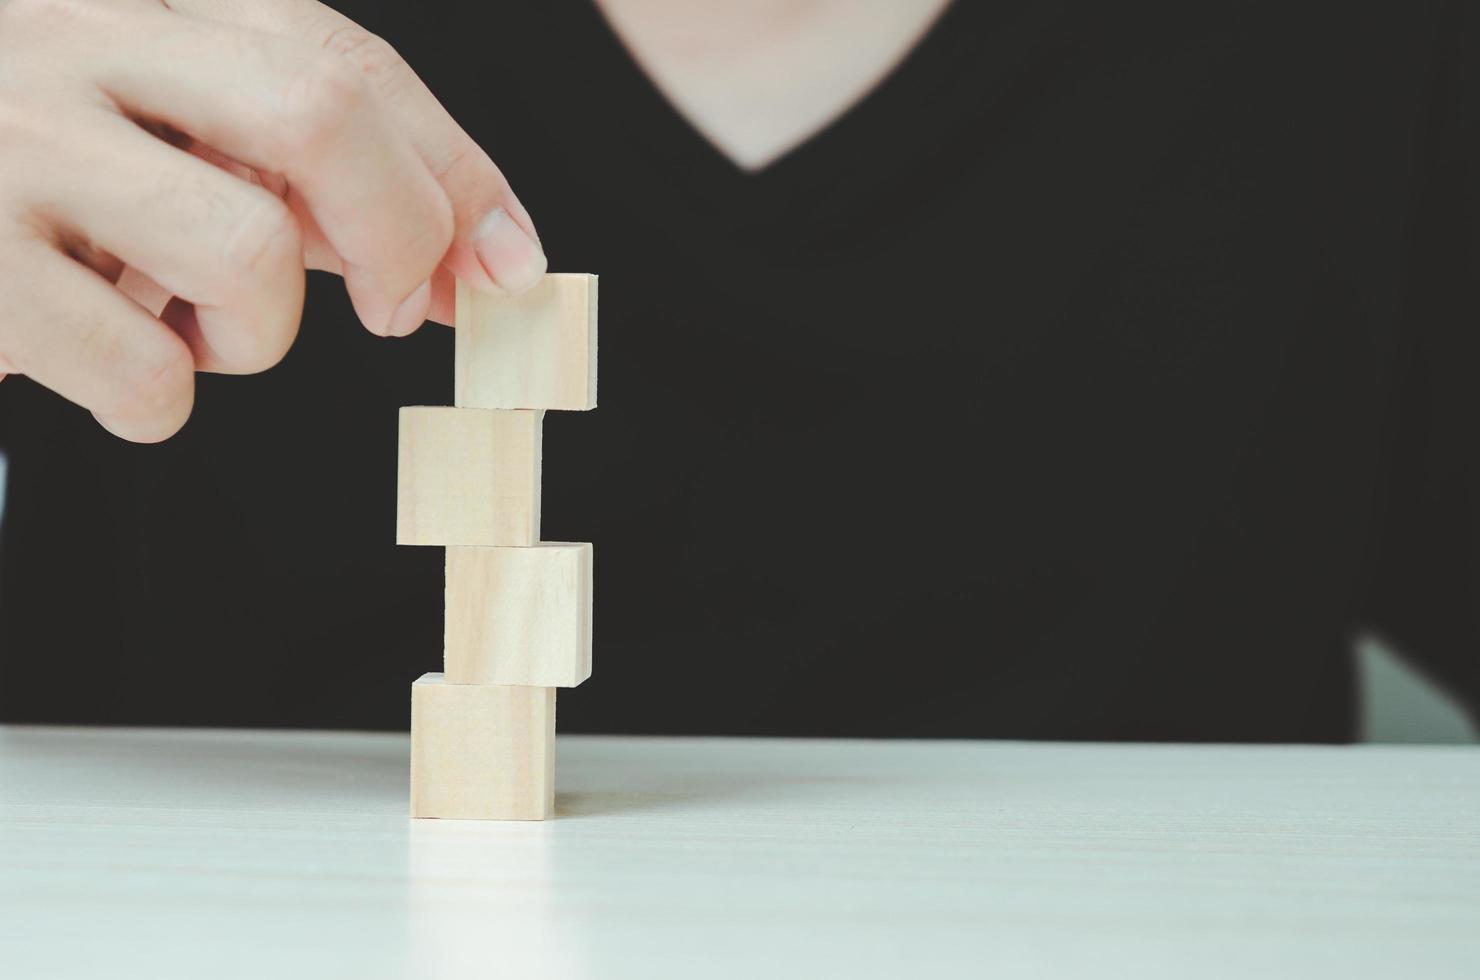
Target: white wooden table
column 215, row 854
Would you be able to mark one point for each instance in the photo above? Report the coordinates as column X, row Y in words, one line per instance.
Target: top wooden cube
column 535, row 351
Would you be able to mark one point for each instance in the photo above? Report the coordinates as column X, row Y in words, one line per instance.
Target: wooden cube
column 519, row 615
column 482, row 752
column 535, row 351
column 468, row 476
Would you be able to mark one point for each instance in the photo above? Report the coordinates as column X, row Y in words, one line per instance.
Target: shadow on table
column 753, row 791
column 603, row 777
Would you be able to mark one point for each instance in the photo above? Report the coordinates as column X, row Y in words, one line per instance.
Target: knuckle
column 317, row 100
column 369, row 54
column 157, row 380
column 263, row 236
column 460, row 156
column 262, row 252
column 159, row 389
column 434, row 238
column 150, row 390
column 351, row 41
column 264, row 342
column 99, row 346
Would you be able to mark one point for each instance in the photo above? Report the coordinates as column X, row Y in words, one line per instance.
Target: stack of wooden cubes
column 518, row 609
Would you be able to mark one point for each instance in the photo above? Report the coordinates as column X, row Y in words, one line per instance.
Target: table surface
column 151, row 853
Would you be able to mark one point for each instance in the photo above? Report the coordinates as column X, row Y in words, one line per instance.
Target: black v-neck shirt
column 1099, row 376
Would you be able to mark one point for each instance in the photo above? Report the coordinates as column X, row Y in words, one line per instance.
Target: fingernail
column 512, row 258
column 412, row 312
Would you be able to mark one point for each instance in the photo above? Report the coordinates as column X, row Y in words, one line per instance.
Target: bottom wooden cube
column 482, row 751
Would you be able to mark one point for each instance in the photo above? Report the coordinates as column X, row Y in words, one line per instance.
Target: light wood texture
column 537, row 350
column 138, row 854
column 468, row 476
column 482, row 752
column 519, row 615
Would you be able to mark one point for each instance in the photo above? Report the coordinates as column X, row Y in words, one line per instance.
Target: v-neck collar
column 910, row 111
column 612, row 36
column 949, row 36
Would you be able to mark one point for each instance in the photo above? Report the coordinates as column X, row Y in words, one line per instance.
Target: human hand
column 168, row 173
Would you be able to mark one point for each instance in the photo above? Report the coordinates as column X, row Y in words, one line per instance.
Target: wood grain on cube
column 482, row 752
column 537, row 350
column 519, row 615
column 468, row 476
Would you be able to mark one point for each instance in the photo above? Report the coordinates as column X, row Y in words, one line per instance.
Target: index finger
column 283, row 107
column 495, row 243
column 494, row 246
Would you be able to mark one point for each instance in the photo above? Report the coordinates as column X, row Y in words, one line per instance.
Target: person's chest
column 1070, row 276
column 1079, row 327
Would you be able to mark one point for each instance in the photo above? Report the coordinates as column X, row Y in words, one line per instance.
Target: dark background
column 1099, row 376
